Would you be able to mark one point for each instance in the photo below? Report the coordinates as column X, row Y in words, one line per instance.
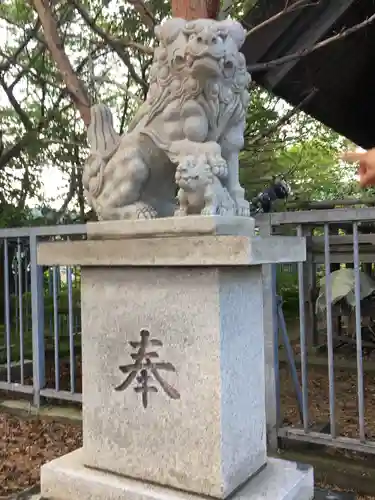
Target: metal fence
column 40, row 324
column 336, row 239
column 40, row 331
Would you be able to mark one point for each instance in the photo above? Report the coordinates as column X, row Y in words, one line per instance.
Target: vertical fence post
column 20, row 307
column 56, row 329
column 328, row 292
column 309, row 279
column 270, row 328
column 7, row 311
column 303, row 343
column 37, row 314
column 358, row 333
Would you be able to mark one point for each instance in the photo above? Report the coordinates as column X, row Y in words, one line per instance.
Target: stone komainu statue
column 196, row 106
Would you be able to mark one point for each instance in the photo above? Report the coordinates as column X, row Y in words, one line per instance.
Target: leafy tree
column 279, row 142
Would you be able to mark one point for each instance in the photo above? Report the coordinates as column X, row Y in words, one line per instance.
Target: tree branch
column 25, row 187
column 16, row 106
column 297, row 5
column 304, row 52
column 118, row 48
column 72, row 82
column 16, row 149
column 144, row 12
column 70, row 194
column 282, row 121
column 38, row 51
column 135, row 45
column 224, row 12
column 121, row 42
column 125, row 107
column 27, row 68
column 4, row 66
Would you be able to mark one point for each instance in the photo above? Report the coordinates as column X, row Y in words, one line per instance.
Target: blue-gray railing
column 41, row 312
column 334, row 238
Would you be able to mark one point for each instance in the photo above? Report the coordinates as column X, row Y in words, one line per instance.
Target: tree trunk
column 195, row 9
column 74, row 85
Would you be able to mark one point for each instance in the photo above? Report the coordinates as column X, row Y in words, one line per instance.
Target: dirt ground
column 346, row 403
column 346, row 399
column 26, row 444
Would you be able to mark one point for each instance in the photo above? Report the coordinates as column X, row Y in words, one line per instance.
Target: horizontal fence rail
column 40, row 327
column 335, row 305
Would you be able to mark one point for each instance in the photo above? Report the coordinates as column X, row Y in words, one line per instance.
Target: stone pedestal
column 173, row 363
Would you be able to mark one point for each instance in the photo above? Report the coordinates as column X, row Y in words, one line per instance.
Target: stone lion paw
column 209, row 210
column 180, row 212
column 218, row 165
column 243, row 208
column 145, row 211
column 226, row 211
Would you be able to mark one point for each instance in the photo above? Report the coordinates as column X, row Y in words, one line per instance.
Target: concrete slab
column 192, row 225
column 67, row 479
column 205, row 251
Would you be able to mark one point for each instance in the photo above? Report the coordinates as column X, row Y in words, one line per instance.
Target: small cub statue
column 200, row 187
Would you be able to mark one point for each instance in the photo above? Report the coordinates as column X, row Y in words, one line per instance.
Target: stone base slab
column 193, row 225
column 189, row 251
column 67, row 479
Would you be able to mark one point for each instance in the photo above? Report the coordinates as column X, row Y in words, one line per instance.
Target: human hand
column 366, row 169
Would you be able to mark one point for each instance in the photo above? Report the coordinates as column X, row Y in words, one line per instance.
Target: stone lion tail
column 103, row 141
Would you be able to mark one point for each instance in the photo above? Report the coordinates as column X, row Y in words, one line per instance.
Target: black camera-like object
column 279, row 190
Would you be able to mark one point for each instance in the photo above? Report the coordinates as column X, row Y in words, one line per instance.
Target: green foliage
column 287, row 288
column 11, row 216
column 62, row 300
column 62, row 318
column 301, row 149
column 314, row 170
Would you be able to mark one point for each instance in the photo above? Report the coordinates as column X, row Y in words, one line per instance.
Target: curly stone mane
column 169, row 81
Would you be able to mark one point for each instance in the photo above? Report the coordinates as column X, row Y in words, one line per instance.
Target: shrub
column 287, row 288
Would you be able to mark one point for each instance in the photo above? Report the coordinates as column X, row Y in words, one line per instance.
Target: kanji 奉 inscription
column 145, row 369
